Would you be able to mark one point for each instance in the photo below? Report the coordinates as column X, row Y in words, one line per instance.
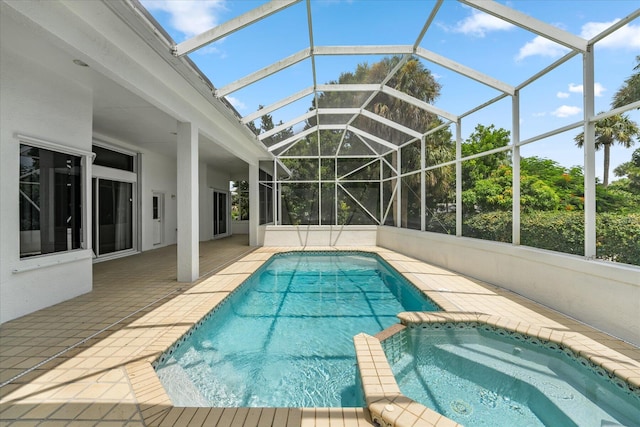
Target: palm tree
column 618, row 128
column 630, row 91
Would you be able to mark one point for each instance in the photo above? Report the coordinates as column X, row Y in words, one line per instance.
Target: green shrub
column 618, row 235
column 561, row 231
column 495, row 226
column 444, row 223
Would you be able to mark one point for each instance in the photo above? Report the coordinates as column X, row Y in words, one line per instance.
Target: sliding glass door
column 220, row 214
column 115, row 218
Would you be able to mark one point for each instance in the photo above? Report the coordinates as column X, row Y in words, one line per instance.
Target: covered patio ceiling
column 321, row 46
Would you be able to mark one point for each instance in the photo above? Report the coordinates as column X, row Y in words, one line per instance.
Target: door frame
column 112, row 174
column 214, row 194
column 134, row 217
column 161, row 214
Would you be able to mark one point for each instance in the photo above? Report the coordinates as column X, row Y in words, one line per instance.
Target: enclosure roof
column 285, row 58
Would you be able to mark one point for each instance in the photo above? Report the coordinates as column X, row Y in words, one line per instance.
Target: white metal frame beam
column 351, row 111
column 418, row 103
column 306, row 92
column 432, row 16
column 291, row 140
column 366, row 143
column 223, row 30
column 328, row 111
column 615, row 27
column 529, row 23
column 391, row 124
column 345, row 177
column 363, row 50
column 371, row 137
column 277, row 105
column 358, row 202
column 297, row 137
column 264, row 72
column 348, row 87
column 283, row 126
column 465, row 71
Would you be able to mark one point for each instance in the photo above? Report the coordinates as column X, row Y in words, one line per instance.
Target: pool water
column 285, row 338
column 479, row 377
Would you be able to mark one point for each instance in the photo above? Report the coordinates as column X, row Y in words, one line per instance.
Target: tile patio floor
column 86, row 361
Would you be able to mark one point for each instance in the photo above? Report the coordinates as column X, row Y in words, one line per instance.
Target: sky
column 463, row 34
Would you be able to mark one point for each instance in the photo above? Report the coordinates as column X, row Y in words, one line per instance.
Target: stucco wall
column 603, row 295
column 318, row 235
column 37, row 102
column 239, row 227
column 158, row 174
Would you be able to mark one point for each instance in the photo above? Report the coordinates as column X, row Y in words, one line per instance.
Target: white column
column 459, row 178
column 382, row 206
column 423, row 185
column 515, row 115
column 399, row 188
column 254, row 204
column 589, row 148
column 188, row 218
column 335, row 190
column 277, row 202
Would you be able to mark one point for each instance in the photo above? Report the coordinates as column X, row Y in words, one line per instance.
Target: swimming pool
column 479, row 375
column 285, row 337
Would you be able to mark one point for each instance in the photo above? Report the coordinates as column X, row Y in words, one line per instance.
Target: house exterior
column 110, row 146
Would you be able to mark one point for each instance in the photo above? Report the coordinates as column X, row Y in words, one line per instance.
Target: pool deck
column 86, row 361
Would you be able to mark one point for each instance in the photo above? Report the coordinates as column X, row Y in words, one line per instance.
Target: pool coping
column 390, row 408
column 157, row 409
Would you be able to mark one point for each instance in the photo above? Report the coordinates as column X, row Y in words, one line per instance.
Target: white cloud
column 566, row 111
column 190, row 17
column 598, row 89
column 212, row 49
column 562, row 95
column 238, row 105
column 574, row 88
column 480, row 23
column 541, row 47
column 627, row 37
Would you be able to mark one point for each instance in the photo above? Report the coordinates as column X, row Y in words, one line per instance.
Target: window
column 240, row 201
column 50, row 201
column 266, row 197
column 113, row 159
column 220, row 213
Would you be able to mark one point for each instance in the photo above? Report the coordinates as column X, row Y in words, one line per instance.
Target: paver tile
column 107, row 379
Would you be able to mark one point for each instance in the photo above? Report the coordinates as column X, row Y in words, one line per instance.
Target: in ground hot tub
column 481, row 375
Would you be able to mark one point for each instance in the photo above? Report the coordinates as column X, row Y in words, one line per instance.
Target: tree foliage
column 617, row 128
column 631, row 170
column 484, row 138
column 240, row 201
column 630, row 90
